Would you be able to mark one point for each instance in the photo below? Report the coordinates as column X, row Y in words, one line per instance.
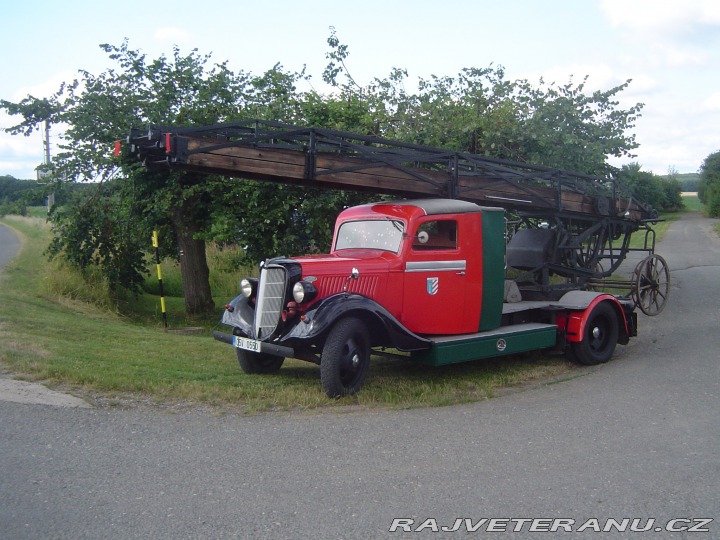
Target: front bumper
column 265, row 348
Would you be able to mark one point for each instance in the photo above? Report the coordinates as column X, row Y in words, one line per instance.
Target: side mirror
column 354, row 274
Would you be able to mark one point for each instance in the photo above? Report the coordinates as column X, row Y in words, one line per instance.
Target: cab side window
column 436, row 235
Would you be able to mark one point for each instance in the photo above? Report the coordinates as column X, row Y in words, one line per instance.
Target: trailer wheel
column 599, row 337
column 345, row 358
column 252, row 362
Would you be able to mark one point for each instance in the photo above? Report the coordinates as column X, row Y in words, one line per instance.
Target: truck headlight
column 304, row 292
column 247, row 288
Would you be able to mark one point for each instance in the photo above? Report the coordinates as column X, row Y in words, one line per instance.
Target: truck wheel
column 345, row 358
column 599, row 337
column 252, row 362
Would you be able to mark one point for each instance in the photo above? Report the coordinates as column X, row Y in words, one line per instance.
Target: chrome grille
column 271, row 292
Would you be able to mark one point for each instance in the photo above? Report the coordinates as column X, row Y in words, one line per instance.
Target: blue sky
column 670, row 49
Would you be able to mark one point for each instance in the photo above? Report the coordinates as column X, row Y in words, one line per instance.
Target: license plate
column 246, row 343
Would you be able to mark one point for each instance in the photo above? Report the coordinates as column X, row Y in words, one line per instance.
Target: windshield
column 383, row 234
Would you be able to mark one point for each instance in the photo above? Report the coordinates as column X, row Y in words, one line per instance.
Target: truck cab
column 436, row 275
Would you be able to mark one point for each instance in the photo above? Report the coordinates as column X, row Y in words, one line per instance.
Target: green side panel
column 493, row 252
column 499, row 342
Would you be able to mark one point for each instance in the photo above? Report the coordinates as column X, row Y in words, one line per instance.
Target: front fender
column 240, row 315
column 385, row 329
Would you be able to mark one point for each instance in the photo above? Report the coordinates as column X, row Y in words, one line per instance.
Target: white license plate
column 246, row 343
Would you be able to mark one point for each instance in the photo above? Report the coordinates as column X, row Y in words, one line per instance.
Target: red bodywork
column 431, row 288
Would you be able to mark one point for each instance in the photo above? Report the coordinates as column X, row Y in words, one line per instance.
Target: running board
column 501, row 341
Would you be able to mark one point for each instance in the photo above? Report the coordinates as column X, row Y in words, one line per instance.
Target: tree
column 480, row 111
column 663, row 194
column 709, row 189
column 673, row 188
column 99, row 109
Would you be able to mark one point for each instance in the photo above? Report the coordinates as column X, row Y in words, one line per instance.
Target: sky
column 669, row 48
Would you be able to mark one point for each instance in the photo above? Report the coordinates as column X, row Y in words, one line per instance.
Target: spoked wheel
column 252, row 362
column 651, row 285
column 599, row 337
column 345, row 358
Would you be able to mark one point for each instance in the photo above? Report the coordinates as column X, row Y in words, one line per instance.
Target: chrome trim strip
column 435, row 266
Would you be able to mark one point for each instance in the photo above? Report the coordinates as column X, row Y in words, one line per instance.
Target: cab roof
column 427, row 207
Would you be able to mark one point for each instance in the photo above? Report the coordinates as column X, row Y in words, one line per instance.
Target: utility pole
column 47, row 163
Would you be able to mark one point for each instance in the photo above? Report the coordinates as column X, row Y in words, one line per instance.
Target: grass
column 57, row 329
column 693, row 204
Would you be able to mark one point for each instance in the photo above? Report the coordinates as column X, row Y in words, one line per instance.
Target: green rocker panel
column 499, row 342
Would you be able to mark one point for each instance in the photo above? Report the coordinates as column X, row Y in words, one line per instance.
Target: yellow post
column 156, row 246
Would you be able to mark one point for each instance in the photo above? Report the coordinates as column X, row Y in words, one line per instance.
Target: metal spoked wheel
column 651, row 285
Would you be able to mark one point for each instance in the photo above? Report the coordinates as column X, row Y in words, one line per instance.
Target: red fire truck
column 425, row 275
column 421, row 276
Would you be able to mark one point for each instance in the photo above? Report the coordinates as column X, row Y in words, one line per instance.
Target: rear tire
column 599, row 337
column 252, row 362
column 345, row 358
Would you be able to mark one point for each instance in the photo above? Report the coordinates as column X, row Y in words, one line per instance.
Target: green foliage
column 565, row 128
column 100, row 232
column 709, row 189
column 18, row 208
column 663, row 194
column 13, row 189
column 672, row 189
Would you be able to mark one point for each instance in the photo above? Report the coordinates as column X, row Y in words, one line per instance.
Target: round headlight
column 246, row 288
column 304, row 292
column 299, row 292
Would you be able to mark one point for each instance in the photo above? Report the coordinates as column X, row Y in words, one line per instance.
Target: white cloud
column 712, row 103
column 46, row 88
column 171, row 35
column 674, row 33
column 661, row 17
column 600, row 77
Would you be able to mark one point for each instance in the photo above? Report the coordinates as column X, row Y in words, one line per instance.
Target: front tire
column 599, row 337
column 252, row 362
column 345, row 358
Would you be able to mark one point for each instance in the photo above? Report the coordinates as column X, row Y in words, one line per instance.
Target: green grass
column 693, row 204
column 57, row 329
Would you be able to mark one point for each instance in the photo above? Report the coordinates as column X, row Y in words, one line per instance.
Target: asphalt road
column 9, row 245
column 636, row 438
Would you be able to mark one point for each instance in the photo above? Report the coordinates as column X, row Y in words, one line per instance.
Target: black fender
column 240, row 315
column 384, row 328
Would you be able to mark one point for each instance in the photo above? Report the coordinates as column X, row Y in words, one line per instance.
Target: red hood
column 329, row 273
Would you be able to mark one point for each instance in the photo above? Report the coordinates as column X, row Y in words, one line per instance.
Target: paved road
column 9, row 245
column 635, row 438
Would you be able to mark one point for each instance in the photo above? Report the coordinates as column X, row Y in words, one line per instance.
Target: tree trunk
column 193, row 266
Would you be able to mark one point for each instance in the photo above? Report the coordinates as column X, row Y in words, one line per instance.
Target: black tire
column 345, row 358
column 252, row 362
column 599, row 337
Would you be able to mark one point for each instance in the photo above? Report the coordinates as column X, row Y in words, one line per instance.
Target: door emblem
column 433, row 284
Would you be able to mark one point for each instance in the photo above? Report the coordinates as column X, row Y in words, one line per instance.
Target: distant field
column 692, row 203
